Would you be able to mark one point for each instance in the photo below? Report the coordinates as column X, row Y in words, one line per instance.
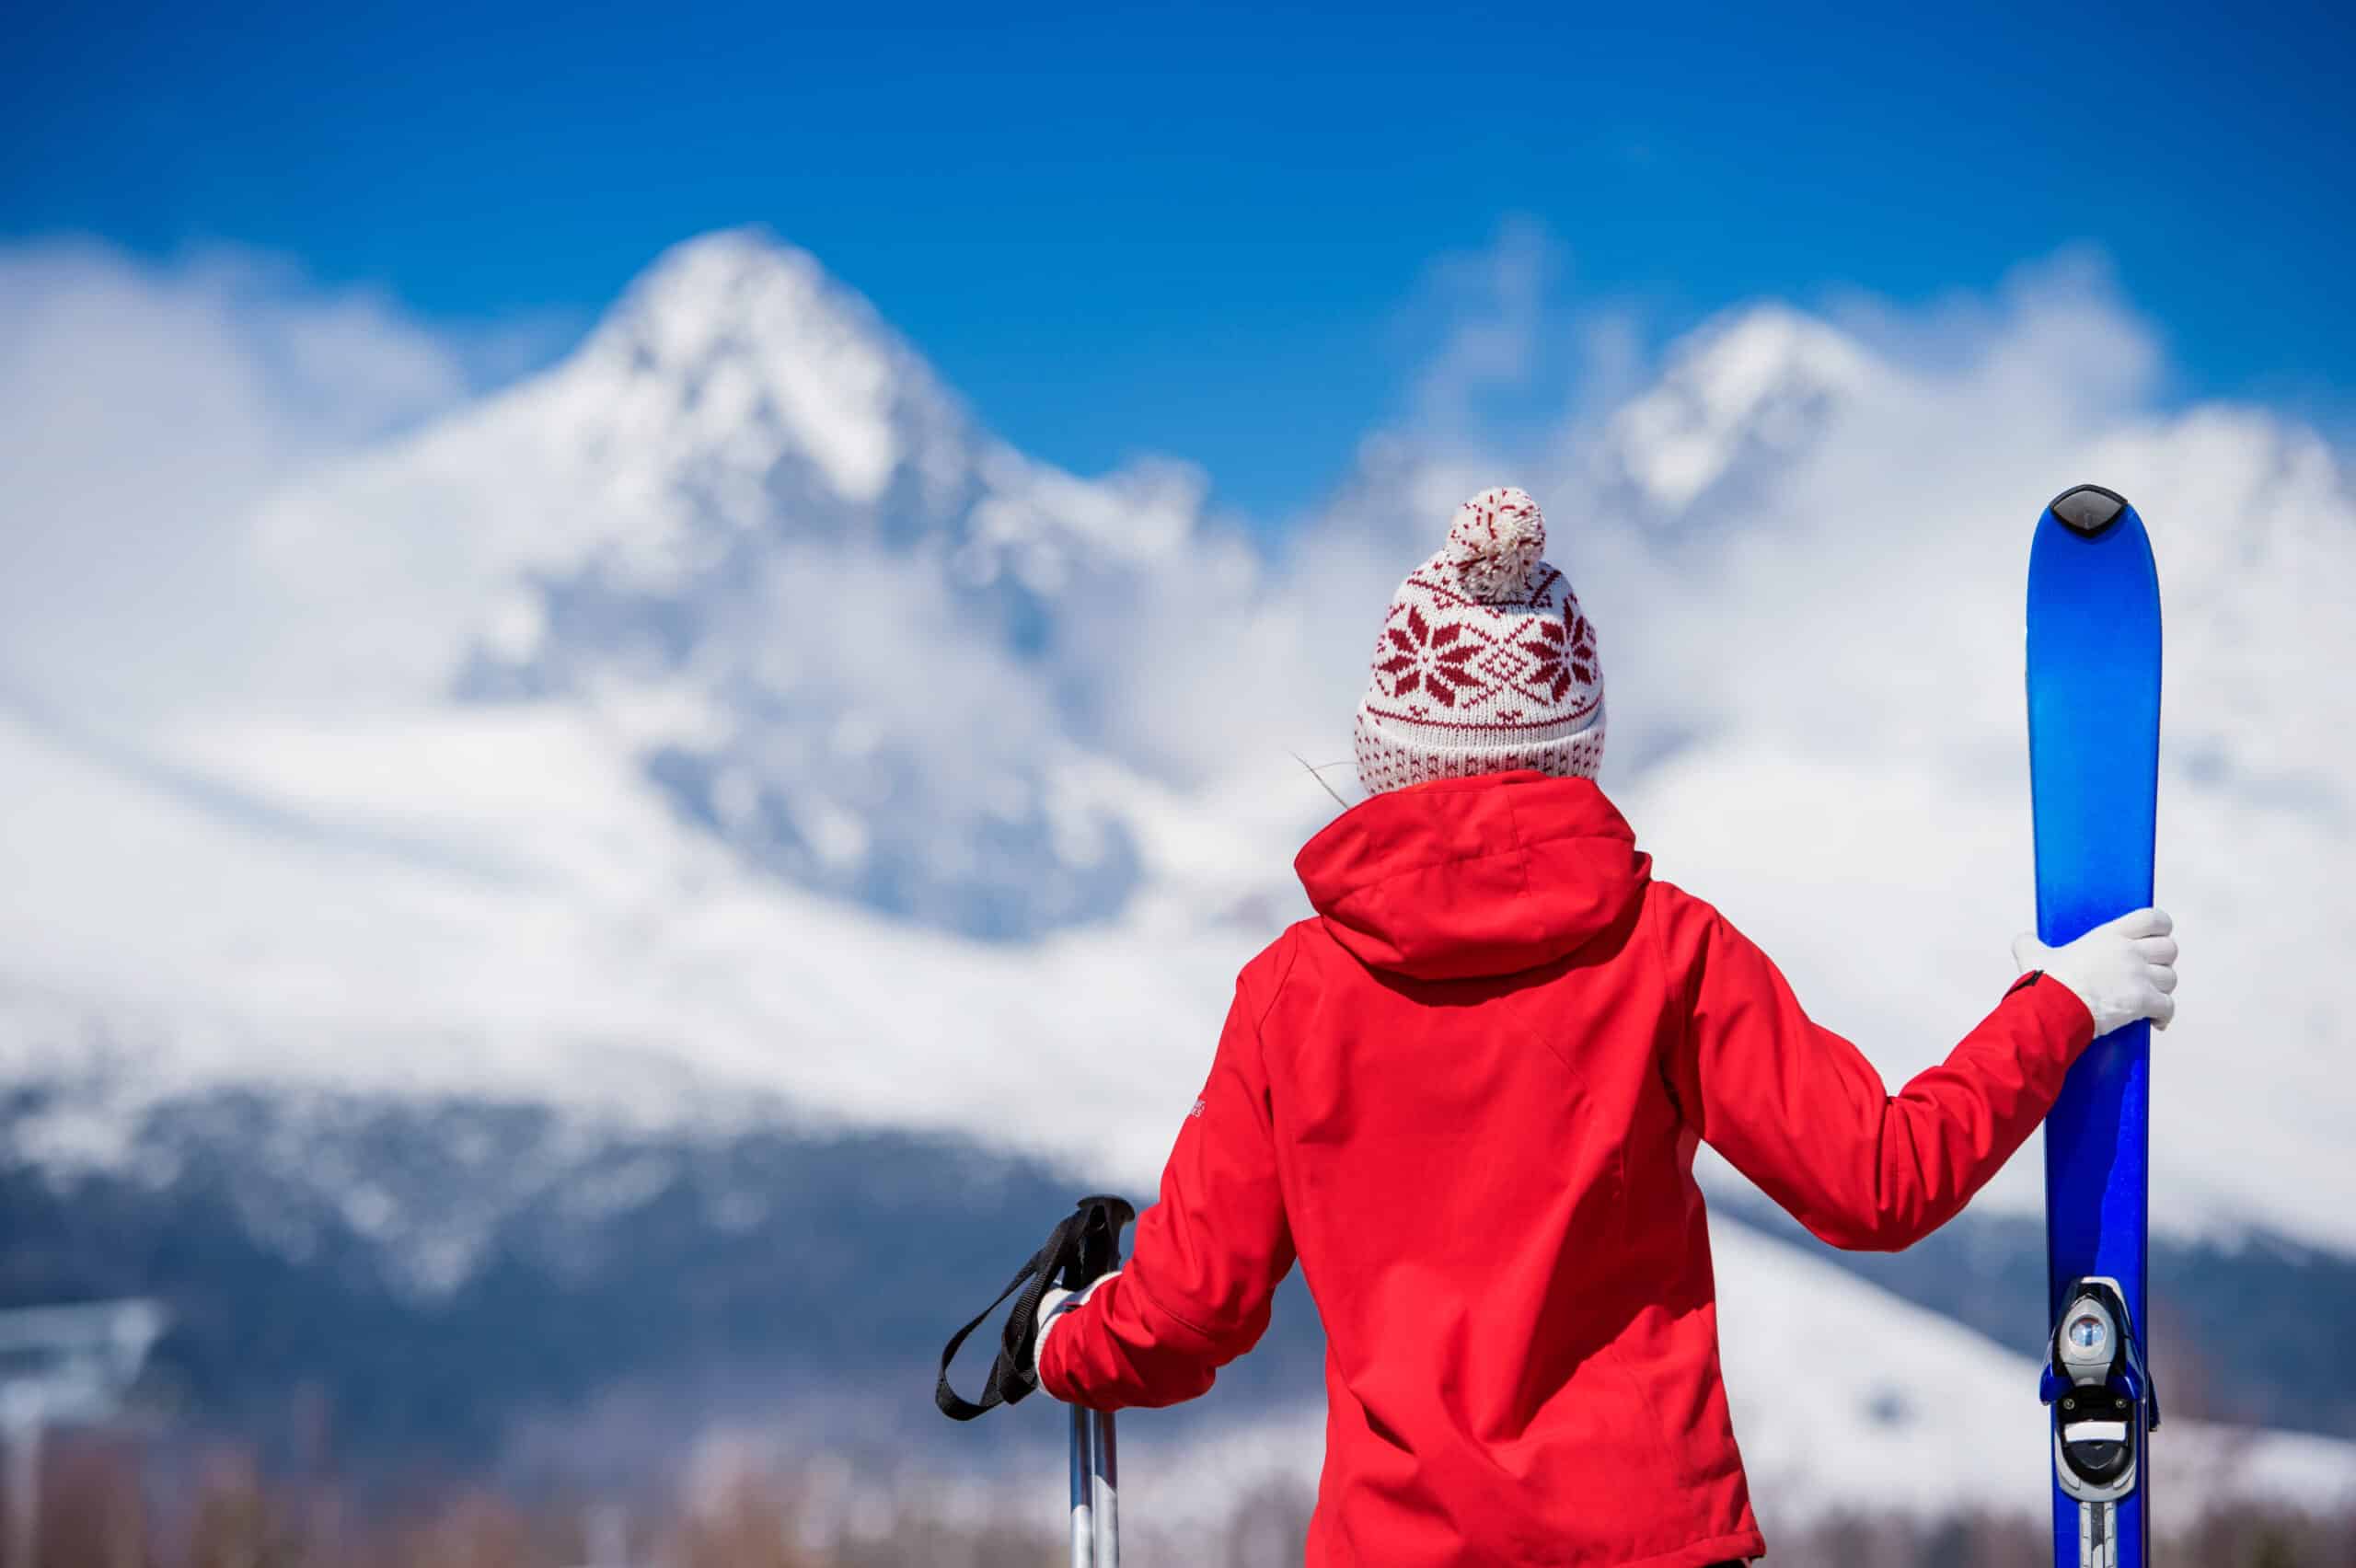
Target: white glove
column 1054, row 1305
column 2122, row 971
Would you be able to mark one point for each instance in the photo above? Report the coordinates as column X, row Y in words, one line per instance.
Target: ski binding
column 2104, row 1406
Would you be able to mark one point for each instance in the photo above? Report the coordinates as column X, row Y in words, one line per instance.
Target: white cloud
column 1493, row 307
column 146, row 409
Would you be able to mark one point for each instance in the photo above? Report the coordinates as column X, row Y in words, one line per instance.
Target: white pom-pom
column 1496, row 540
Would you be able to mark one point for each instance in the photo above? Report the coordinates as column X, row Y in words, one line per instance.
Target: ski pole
column 1096, row 1472
column 1095, row 1491
column 1106, row 1473
column 1083, row 1465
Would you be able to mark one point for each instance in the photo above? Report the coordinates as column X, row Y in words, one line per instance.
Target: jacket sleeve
column 1804, row 1114
column 1194, row 1294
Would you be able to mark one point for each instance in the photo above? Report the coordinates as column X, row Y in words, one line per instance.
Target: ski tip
column 2089, row 509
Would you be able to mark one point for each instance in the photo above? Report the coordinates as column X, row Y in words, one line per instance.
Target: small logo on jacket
column 1198, row 1109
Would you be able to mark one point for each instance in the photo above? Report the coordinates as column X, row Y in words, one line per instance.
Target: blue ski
column 2094, row 742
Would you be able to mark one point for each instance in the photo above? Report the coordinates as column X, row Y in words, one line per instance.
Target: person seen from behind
column 1465, row 1097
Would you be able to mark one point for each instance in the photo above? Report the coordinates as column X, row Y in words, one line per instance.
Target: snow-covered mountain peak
column 734, row 386
column 734, row 349
column 1756, row 381
column 705, row 289
column 746, row 527
column 736, row 392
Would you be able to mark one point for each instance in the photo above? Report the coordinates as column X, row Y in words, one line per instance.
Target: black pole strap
column 1086, row 1244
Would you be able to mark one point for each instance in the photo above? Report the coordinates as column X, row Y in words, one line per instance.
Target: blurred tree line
column 105, row 1508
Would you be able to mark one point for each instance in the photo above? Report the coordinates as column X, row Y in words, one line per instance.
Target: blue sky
column 1205, row 230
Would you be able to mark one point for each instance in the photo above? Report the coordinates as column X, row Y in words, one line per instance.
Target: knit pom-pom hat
column 1485, row 663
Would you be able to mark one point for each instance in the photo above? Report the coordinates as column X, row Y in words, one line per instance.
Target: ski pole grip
column 1084, row 1244
column 1099, row 1251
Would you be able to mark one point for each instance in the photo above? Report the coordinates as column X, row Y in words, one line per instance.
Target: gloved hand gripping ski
column 2123, row 971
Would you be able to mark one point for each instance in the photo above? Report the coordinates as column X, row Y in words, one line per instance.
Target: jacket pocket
column 1674, row 1454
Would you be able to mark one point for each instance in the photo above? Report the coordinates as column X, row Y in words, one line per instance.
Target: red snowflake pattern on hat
column 1432, row 661
column 1562, row 654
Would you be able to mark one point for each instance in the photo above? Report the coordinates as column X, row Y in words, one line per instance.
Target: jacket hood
column 1466, row 876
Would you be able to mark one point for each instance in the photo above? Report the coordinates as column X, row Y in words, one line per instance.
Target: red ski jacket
column 1466, row 1096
